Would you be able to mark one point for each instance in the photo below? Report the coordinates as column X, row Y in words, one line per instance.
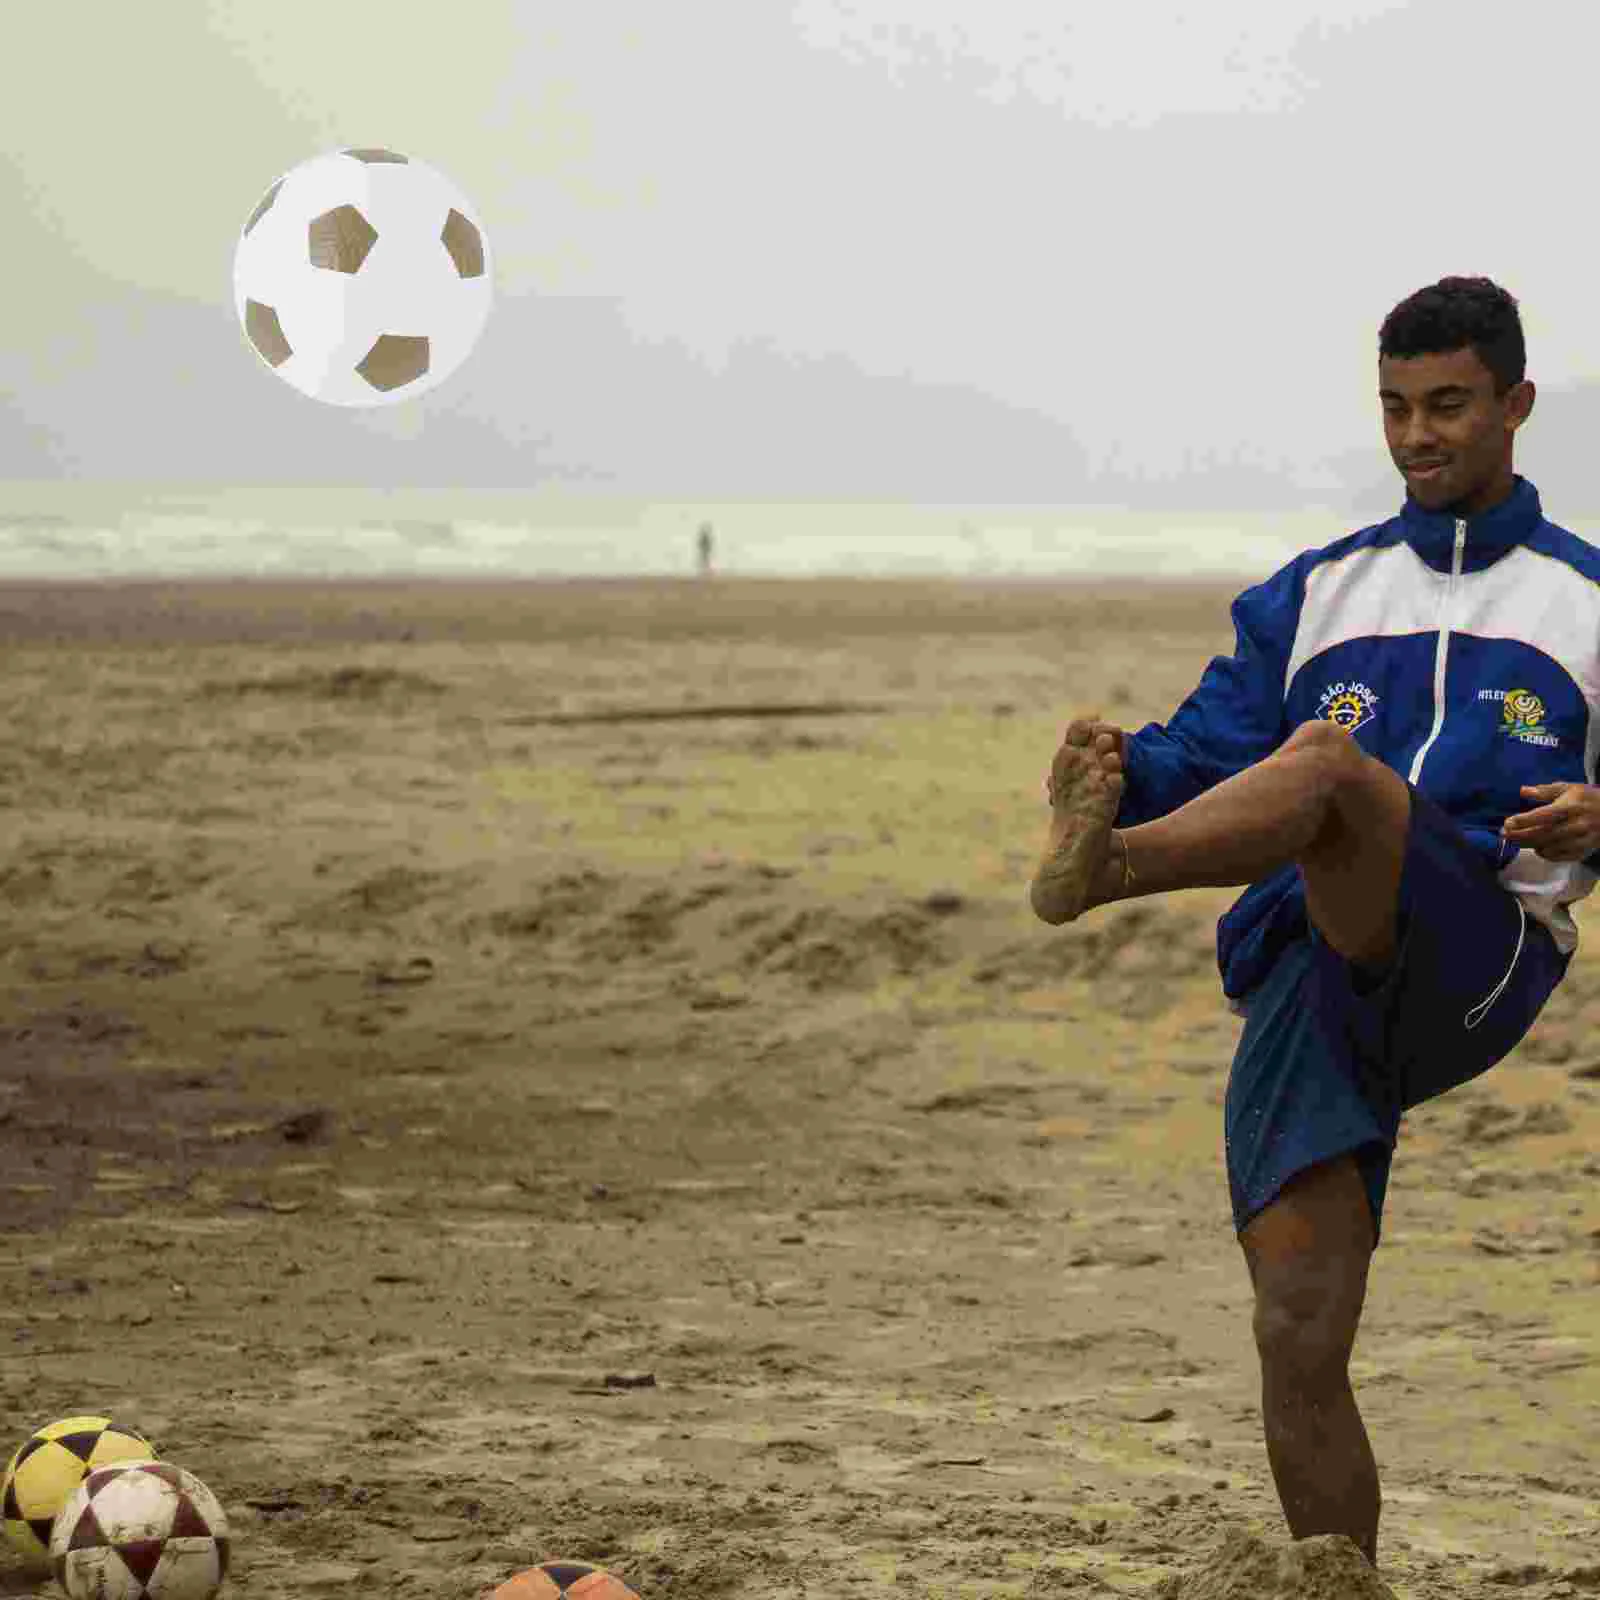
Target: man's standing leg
column 1344, row 818
column 1308, row 1254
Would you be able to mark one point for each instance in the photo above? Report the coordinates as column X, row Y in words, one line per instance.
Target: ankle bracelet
column 1127, row 864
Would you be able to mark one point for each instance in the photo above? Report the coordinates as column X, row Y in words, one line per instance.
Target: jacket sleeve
column 1234, row 717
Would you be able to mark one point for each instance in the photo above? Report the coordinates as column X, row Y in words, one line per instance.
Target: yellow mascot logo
column 1522, row 716
column 1522, row 712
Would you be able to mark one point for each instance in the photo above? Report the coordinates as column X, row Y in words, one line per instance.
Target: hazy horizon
column 888, row 252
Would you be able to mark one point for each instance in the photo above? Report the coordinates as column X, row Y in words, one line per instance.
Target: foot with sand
column 1085, row 862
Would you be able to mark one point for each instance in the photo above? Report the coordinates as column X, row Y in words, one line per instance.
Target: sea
column 77, row 531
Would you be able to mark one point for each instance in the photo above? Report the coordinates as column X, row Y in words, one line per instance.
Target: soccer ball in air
column 362, row 278
column 563, row 1580
column 145, row 1530
column 48, row 1468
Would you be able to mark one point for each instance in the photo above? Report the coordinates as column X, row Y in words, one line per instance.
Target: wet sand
column 500, row 1071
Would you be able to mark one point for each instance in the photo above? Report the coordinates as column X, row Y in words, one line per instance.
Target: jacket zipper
column 1447, row 610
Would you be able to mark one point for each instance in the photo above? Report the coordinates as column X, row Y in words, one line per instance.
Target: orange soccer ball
column 563, row 1580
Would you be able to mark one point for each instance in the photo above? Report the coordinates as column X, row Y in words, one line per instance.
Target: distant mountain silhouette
column 1369, row 485
column 558, row 391
column 1556, row 450
column 563, row 392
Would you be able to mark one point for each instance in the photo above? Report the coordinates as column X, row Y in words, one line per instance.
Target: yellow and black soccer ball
column 45, row 1473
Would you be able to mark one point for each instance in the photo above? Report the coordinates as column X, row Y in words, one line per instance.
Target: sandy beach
column 498, row 1071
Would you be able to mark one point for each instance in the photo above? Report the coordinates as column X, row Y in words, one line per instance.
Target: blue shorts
column 1329, row 1059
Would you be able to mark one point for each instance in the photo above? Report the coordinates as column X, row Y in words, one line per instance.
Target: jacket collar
column 1490, row 534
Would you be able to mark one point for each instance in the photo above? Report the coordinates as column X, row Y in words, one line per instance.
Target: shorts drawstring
column 1479, row 1011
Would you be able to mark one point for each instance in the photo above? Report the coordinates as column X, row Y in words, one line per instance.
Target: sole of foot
column 1086, row 789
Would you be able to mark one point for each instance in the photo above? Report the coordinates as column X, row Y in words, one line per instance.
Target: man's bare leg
column 1319, row 801
column 1308, row 1255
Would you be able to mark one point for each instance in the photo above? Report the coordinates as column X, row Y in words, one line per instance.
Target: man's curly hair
column 1452, row 314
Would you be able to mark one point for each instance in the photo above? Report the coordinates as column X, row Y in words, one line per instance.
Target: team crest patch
column 1348, row 705
column 1522, row 716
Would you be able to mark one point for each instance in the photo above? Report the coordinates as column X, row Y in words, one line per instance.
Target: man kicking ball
column 1397, row 759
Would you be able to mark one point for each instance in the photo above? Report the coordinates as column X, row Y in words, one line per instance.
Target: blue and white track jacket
column 1464, row 654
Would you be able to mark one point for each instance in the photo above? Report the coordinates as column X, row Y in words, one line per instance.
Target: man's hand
column 1565, row 828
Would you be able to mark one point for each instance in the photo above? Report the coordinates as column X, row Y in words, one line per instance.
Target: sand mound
column 1137, row 957
column 1328, row 1567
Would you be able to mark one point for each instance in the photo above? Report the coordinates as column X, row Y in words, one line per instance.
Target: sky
column 922, row 250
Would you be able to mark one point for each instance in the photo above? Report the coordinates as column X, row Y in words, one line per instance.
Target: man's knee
column 1315, row 732
column 1329, row 749
column 1305, row 1326
column 1309, row 1253
column 1332, row 763
column 1367, row 805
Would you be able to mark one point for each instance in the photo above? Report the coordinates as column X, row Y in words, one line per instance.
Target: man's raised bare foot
column 1085, row 789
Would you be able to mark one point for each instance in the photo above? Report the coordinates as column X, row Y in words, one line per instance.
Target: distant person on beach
column 705, row 549
column 1397, row 760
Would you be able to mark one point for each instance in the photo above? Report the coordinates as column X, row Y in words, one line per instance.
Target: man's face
column 1444, row 408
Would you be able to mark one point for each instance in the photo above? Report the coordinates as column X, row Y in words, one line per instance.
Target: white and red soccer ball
column 140, row 1530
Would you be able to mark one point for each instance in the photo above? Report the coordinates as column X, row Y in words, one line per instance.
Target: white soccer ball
column 362, row 278
column 142, row 1530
